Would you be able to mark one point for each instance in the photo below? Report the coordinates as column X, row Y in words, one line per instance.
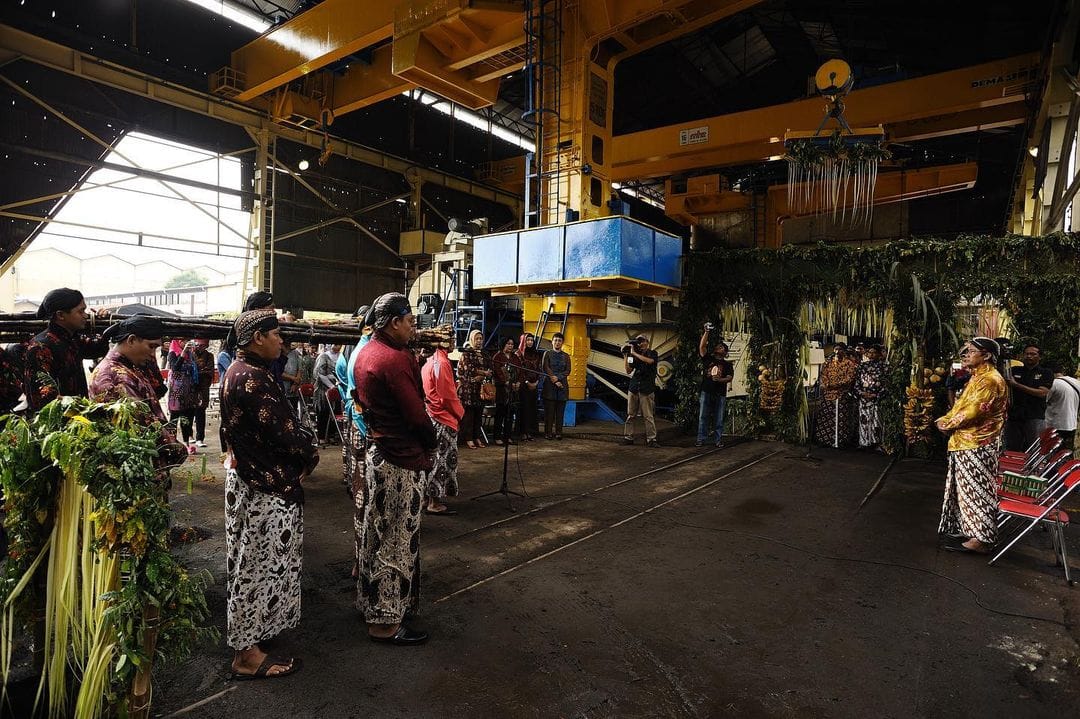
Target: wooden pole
column 139, row 699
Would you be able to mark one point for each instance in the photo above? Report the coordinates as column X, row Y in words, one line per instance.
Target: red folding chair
column 1048, row 514
column 337, row 416
column 305, row 406
column 1040, row 449
column 1035, row 483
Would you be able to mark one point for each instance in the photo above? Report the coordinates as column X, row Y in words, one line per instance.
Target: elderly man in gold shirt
column 969, row 512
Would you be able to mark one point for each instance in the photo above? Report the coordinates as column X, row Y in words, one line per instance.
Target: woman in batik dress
column 473, row 369
column 834, row 423
column 529, row 360
column 969, row 512
column 869, row 386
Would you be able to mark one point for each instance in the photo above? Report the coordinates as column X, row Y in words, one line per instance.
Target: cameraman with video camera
column 640, row 363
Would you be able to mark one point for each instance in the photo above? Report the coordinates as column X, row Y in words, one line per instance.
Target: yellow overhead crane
column 461, row 48
column 981, row 97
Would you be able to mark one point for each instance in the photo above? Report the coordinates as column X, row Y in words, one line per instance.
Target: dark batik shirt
column 870, row 378
column 54, row 365
column 116, row 377
column 389, row 388
column 271, row 448
column 12, row 366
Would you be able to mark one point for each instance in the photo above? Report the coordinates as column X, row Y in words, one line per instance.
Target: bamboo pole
column 139, row 699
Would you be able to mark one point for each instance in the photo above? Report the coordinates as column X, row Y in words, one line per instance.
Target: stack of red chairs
column 1021, row 462
column 1045, row 509
column 1037, row 483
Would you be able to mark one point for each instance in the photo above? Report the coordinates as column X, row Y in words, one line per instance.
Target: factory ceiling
column 759, row 57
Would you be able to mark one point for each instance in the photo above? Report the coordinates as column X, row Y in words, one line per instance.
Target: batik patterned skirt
column 357, row 489
column 348, row 429
column 388, row 584
column 443, row 479
column 834, row 425
column 869, row 423
column 264, row 544
column 352, row 459
column 970, row 506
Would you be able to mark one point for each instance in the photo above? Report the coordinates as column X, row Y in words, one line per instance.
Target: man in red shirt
column 399, row 460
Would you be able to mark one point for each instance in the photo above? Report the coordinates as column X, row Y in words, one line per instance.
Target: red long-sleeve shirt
column 388, row 387
column 440, row 391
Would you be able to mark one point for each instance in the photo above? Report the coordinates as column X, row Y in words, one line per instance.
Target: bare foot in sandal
column 254, row 663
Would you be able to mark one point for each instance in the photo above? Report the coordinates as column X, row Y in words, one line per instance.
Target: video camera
column 630, row 344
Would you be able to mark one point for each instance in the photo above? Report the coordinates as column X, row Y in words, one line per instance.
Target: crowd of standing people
column 404, row 413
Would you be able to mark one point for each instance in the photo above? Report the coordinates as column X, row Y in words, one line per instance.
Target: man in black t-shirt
column 1030, row 384
column 640, row 363
column 716, row 375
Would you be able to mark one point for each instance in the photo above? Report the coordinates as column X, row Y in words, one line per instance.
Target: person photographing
column 716, row 376
column 640, row 363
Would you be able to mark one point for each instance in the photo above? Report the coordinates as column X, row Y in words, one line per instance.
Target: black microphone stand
column 504, row 487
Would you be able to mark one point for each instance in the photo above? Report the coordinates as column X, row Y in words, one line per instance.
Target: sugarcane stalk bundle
column 87, row 521
column 22, row 327
column 433, row 337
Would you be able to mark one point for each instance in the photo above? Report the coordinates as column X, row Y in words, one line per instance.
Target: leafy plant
column 86, row 500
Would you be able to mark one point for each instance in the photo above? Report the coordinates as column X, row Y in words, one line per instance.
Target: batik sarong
column 357, row 488
column 834, row 425
column 348, row 429
column 970, row 506
column 869, row 423
column 388, row 584
column 264, row 542
column 443, row 477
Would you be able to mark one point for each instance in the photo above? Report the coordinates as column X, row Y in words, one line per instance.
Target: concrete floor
column 743, row 582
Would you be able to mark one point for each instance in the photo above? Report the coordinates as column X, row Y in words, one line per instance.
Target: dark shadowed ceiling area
column 756, row 58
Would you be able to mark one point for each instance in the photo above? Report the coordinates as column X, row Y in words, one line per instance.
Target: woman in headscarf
column 969, row 512
column 834, row 423
column 507, row 386
column 270, row 455
column 473, row 369
column 529, row 359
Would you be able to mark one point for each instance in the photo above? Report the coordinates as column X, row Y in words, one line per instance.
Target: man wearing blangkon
column 640, row 363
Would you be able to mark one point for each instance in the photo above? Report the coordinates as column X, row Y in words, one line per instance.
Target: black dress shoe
column 404, row 637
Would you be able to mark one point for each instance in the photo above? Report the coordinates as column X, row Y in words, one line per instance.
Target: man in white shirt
column 1062, row 406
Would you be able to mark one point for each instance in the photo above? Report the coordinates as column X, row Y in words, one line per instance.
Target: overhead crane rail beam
column 992, row 94
column 15, row 44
